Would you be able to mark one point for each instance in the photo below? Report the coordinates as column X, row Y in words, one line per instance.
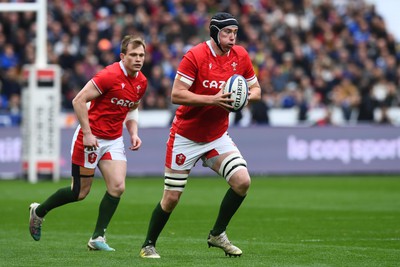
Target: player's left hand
column 248, row 98
column 136, row 142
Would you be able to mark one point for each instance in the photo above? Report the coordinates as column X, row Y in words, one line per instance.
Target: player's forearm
column 132, row 127
column 82, row 114
column 188, row 98
column 255, row 93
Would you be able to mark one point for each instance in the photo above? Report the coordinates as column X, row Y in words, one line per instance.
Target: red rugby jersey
column 206, row 72
column 119, row 92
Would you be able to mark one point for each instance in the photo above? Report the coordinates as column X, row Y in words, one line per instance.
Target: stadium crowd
column 307, row 53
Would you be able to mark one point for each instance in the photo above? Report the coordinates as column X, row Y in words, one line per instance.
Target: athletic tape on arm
column 133, row 115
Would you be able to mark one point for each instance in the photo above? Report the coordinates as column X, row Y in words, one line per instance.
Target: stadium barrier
column 361, row 149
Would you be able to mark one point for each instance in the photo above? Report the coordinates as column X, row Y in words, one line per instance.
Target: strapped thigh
column 175, row 181
column 231, row 164
column 76, row 176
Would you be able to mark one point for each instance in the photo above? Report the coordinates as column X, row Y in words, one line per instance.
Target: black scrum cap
column 219, row 21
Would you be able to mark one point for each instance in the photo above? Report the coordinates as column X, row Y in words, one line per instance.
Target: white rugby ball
column 237, row 85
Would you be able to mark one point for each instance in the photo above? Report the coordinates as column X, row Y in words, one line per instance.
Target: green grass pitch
column 298, row 221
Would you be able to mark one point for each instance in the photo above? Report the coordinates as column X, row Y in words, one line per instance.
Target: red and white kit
column 119, row 92
column 205, row 72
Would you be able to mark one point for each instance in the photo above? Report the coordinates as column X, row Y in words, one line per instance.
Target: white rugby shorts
column 182, row 153
column 107, row 150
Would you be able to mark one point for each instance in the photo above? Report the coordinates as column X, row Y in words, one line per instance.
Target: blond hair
column 132, row 39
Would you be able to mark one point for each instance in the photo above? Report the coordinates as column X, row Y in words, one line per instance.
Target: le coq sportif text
column 365, row 150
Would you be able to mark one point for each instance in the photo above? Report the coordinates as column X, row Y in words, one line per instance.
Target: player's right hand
column 90, row 142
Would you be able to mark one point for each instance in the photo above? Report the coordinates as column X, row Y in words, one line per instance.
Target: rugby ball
column 237, row 85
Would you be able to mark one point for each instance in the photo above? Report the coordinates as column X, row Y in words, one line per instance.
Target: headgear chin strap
column 219, row 21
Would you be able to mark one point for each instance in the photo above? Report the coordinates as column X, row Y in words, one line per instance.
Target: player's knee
column 118, row 190
column 169, row 203
column 243, row 186
column 170, row 200
column 240, row 182
column 81, row 197
column 83, row 193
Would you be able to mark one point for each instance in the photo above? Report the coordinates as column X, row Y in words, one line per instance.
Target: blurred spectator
column 14, row 109
column 300, row 49
column 366, row 107
column 346, row 96
column 260, row 109
column 10, row 97
column 10, row 82
column 290, row 96
column 8, row 57
column 383, row 95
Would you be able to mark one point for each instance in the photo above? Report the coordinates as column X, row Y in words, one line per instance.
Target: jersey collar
column 212, row 50
column 124, row 70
